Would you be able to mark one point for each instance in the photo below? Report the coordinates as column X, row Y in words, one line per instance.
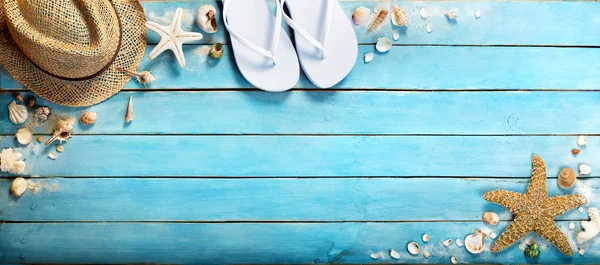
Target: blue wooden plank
column 269, row 199
column 307, row 156
column 413, row 68
column 252, row 112
column 251, row 243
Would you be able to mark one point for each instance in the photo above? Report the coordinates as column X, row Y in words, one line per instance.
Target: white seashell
column 490, row 218
column 17, row 113
column 447, row 242
column 454, row 260
column 580, row 209
column 52, row 156
column 361, row 16
column 493, row 235
column 205, row 18
column 24, row 135
column 424, row 13
column 62, row 130
column 60, row 148
column 581, row 140
column 584, row 169
column 475, row 243
column 429, row 28
column 396, row 36
column 374, row 255
column 18, row 186
column 394, row 254
column 426, row 254
column 369, row 57
column 459, row 243
column 376, row 10
column 591, row 228
column 451, row 14
column 581, row 252
column 413, row 248
column 399, row 17
column 88, row 118
column 425, row 238
column 477, row 14
column 383, row 44
column 571, row 225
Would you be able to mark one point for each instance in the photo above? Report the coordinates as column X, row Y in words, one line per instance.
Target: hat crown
column 67, row 38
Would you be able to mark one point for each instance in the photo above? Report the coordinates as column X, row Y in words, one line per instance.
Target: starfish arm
column 162, row 46
column 185, row 36
column 521, row 226
column 176, row 22
column 547, row 229
column 537, row 188
column 512, row 201
column 558, row 205
column 179, row 54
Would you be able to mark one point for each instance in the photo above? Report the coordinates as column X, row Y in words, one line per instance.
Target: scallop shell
column 17, row 113
column 475, row 243
column 24, row 135
column 447, row 242
column 18, row 186
column 584, row 169
column 88, row 118
column 399, row 17
column 581, row 140
column 205, row 18
column 62, row 130
column 490, row 218
column 369, row 57
column 361, row 16
column 566, row 178
column 413, row 248
column 383, row 44
column 394, row 254
column 425, row 238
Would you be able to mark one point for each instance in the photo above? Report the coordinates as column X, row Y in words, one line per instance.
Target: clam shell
column 424, row 13
column 24, row 135
column 383, row 45
column 361, row 16
column 475, row 243
column 394, row 254
column 566, row 178
column 60, row 148
column 399, row 17
column 477, row 14
column 447, row 242
column 18, row 186
column 88, row 118
column 426, row 254
column 454, row 260
column 425, row 238
column 17, row 113
column 413, row 248
column 584, row 169
column 369, row 57
column 581, row 140
column 490, row 218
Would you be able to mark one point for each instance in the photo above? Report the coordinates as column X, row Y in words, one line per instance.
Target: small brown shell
column 566, row 178
column 88, row 118
column 490, row 218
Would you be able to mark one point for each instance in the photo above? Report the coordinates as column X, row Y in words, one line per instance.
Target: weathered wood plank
column 307, row 156
column 235, row 243
column 320, row 112
column 379, row 199
column 413, row 68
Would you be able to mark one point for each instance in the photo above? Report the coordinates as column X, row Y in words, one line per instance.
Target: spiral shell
column 17, row 113
column 566, row 178
column 490, row 218
column 88, row 118
column 380, row 17
column 399, row 17
column 62, row 130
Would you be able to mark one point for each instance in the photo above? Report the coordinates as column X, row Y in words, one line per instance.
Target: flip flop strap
column 312, row 40
column 274, row 42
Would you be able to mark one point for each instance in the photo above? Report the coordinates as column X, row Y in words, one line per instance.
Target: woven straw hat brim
column 86, row 92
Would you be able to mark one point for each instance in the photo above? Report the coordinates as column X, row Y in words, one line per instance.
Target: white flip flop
column 327, row 45
column 263, row 51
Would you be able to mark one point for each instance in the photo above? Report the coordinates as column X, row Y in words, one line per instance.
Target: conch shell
column 206, row 18
column 17, row 113
column 380, row 17
column 399, row 17
column 62, row 130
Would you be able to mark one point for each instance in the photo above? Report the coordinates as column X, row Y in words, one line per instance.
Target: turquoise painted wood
column 260, row 200
column 404, row 68
column 323, row 112
column 306, row 156
column 243, row 243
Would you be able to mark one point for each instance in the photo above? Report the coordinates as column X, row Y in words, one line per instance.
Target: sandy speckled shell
column 566, row 178
column 17, row 113
column 490, row 218
column 88, row 118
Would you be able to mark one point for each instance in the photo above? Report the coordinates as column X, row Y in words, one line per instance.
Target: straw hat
column 72, row 52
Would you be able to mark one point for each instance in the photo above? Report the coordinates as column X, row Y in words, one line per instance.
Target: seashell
column 374, row 255
column 143, row 77
column 216, row 52
column 584, row 169
column 361, row 16
column 413, row 248
column 566, row 178
column 396, row 36
column 477, row 14
column 369, row 57
column 571, row 225
column 425, row 238
column 426, row 254
column 454, row 260
column 493, row 235
column 40, row 138
column 424, row 13
column 591, row 228
column 52, row 156
column 62, row 130
column 31, row 101
column 580, row 209
column 205, row 18
column 575, row 151
column 532, row 251
column 447, row 242
column 380, row 17
column 394, row 254
column 88, row 118
column 581, row 252
column 60, row 148
column 383, row 44
column 129, row 115
column 581, row 140
column 429, row 28
column 459, row 243
column 475, row 243
column 490, row 218
column 24, row 135
column 18, row 96
column 42, row 113
column 18, row 186
column 399, row 17
column 451, row 14
column 17, row 113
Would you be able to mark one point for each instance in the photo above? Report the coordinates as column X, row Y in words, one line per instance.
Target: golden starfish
column 534, row 211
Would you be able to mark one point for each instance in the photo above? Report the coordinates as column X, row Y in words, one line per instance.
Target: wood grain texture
column 230, row 243
column 259, row 200
column 307, row 156
column 409, row 68
column 321, row 112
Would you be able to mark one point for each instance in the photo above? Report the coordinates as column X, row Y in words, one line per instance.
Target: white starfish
column 172, row 37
